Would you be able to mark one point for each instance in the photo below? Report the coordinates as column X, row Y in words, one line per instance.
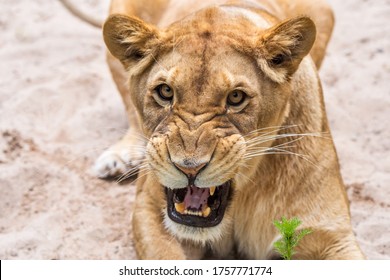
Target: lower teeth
column 180, row 208
column 193, row 213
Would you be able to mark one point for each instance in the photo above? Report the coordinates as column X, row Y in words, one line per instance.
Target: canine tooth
column 206, row 212
column 212, row 191
column 180, row 207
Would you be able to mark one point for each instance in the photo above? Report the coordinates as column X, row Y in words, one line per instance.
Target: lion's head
column 202, row 87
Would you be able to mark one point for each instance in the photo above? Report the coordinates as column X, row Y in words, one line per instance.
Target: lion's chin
column 198, row 207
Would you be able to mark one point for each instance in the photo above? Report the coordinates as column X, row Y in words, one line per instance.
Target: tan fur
column 260, row 47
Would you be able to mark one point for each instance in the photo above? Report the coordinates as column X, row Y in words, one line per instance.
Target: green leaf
column 290, row 237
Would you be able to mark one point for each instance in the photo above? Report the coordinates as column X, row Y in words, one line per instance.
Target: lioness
column 227, row 126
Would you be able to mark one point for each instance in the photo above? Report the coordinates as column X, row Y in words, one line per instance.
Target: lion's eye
column 236, row 98
column 165, row 92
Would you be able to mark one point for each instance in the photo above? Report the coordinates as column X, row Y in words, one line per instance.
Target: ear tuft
column 128, row 38
column 283, row 47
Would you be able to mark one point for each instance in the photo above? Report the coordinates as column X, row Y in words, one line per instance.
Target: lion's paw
column 113, row 163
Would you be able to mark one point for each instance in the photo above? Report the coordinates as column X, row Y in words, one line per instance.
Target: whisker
column 134, row 148
column 143, row 175
column 282, row 152
column 256, row 149
column 140, row 135
column 244, row 165
column 131, row 172
column 278, row 127
column 159, row 64
column 245, row 177
column 260, row 139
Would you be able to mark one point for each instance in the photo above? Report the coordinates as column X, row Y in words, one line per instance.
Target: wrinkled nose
column 191, row 170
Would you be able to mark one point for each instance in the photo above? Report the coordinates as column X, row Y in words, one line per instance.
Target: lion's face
column 201, row 93
column 203, row 106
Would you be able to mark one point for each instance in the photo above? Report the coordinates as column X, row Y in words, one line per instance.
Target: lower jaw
column 199, row 235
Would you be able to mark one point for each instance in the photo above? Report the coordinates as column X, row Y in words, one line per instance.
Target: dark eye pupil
column 164, row 92
column 236, row 98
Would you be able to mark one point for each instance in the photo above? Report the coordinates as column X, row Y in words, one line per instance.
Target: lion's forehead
column 204, row 53
column 229, row 20
column 207, row 72
column 248, row 14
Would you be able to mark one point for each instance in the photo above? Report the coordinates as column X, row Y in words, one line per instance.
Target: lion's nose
column 189, row 169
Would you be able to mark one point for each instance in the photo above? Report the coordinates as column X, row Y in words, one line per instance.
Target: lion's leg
column 129, row 151
column 329, row 245
column 151, row 240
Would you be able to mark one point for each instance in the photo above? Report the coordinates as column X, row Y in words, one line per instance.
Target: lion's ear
column 283, row 47
column 128, row 38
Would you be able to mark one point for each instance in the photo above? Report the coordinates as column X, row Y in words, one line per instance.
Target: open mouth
column 198, row 207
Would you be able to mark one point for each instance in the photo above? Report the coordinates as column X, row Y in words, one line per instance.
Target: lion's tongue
column 196, row 198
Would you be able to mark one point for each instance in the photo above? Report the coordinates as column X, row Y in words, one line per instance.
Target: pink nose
column 191, row 171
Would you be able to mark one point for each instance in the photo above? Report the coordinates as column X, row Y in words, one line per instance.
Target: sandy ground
column 59, row 109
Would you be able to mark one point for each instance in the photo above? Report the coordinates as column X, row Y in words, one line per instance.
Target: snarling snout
column 197, row 195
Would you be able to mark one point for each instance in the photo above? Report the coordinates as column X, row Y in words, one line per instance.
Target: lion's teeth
column 206, row 212
column 180, row 207
column 191, row 212
column 212, row 191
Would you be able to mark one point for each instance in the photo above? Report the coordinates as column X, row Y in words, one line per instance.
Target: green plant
column 290, row 237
